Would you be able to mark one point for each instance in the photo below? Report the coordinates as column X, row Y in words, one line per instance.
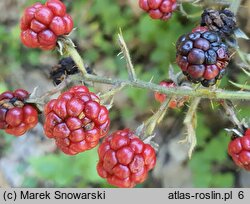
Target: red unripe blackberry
column 42, row 24
column 162, row 97
column 239, row 150
column 158, row 9
column 202, row 56
column 124, row 159
column 76, row 120
column 16, row 116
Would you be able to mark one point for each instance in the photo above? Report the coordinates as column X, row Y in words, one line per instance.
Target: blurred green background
column 34, row 161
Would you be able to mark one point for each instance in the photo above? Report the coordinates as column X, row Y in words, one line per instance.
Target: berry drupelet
column 16, row 116
column 42, row 24
column 76, row 120
column 124, row 159
column 158, row 9
column 202, row 56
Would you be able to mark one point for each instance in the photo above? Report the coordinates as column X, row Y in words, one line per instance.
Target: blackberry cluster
column 202, row 56
column 158, row 9
column 124, row 159
column 76, row 120
column 223, row 21
column 16, row 116
column 42, row 24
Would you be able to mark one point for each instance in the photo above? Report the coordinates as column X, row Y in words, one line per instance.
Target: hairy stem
column 177, row 91
column 155, row 119
column 231, row 114
column 125, row 51
column 190, row 123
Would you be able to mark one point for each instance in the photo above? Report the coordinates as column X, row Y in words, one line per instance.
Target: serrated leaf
column 240, row 34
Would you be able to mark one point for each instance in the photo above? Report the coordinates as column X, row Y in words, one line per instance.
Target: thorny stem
column 125, row 51
column 178, row 91
column 155, row 119
column 106, row 96
column 230, row 111
column 190, row 123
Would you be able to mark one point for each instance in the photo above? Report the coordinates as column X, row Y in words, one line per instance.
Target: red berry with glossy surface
column 239, row 150
column 162, row 97
column 76, row 120
column 41, row 25
column 202, row 56
column 158, row 9
column 175, row 102
column 16, row 116
column 124, row 159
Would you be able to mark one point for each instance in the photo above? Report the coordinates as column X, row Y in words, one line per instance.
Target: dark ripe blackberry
column 222, row 21
column 201, row 55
